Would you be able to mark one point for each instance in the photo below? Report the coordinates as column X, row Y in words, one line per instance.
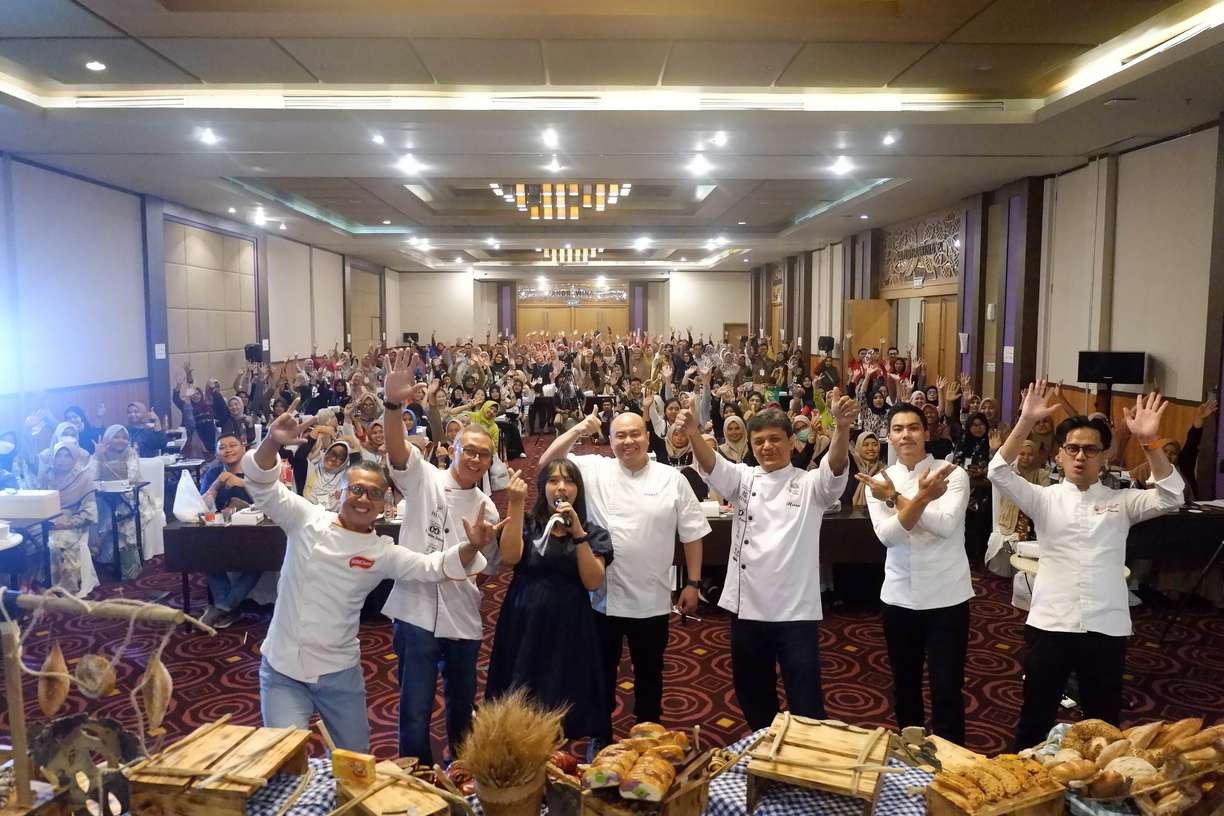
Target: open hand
column 1144, row 417
column 1035, row 407
column 843, row 408
column 401, row 383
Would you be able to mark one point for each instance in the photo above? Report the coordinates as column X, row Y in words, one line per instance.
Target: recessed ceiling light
column 550, row 138
column 414, row 240
column 984, row 68
column 720, row 240
column 539, row 249
column 569, row 246
column 889, row 139
column 553, row 166
column 377, row 138
column 684, row 260
column 94, row 65
column 642, row 243
column 231, row 211
column 490, row 240
column 386, row 222
column 699, row 166
column 720, row 138
column 842, row 166
column 409, row 164
column 259, row 218
column 458, row 259
column 741, row 223
column 208, row 137
column 282, row 226
column 864, row 216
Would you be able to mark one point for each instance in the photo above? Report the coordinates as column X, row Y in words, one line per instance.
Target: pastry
column 649, row 779
column 1141, row 736
column 94, row 676
column 1202, row 739
column 672, row 753
column 610, row 767
column 52, row 691
column 647, row 729
column 1118, row 748
column 1178, row 730
column 1108, row 785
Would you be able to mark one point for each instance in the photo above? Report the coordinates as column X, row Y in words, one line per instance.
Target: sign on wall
column 923, row 253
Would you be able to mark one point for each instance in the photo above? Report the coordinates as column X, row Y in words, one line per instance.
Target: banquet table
column 900, row 794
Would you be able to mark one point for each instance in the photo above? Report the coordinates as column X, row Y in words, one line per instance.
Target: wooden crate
column 398, row 797
column 1045, row 801
column 811, row 754
column 255, row 753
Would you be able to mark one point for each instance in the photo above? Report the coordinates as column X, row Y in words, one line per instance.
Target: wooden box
column 1049, row 801
column 821, row 755
column 390, row 795
column 196, row 776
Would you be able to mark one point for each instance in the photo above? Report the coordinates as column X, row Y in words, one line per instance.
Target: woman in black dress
column 546, row 640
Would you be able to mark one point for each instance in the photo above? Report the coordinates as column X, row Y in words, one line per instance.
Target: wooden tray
column 800, row 751
column 688, row 795
column 1046, row 801
column 256, row 754
column 398, row 797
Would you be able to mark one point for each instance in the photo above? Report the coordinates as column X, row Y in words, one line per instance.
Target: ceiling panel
column 232, row 60
column 127, row 61
column 383, row 60
column 51, row 18
column 867, row 64
column 1057, row 21
column 605, row 62
column 482, row 62
column 727, row 64
column 1001, row 69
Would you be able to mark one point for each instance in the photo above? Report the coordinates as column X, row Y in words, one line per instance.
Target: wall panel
column 707, row 300
column 327, row 298
column 391, row 281
column 441, row 302
column 289, row 324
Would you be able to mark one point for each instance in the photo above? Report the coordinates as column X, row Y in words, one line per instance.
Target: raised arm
column 560, row 448
column 400, row 388
column 511, row 540
column 261, row 468
column 705, row 455
column 844, row 410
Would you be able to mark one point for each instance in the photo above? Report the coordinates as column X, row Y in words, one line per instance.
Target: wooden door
column 939, row 344
column 616, row 317
column 775, row 324
column 584, row 318
column 532, row 319
column 732, row 332
column 870, row 324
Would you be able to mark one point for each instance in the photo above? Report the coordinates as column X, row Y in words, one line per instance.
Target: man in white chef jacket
column 1079, row 619
column 917, row 508
column 645, row 506
column 436, row 625
column 773, row 572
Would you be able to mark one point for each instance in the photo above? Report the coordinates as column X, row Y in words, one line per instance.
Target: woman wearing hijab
column 71, row 566
column 87, row 434
column 735, row 434
column 865, row 459
column 325, row 477
column 676, row 449
column 486, row 418
column 115, row 460
column 65, row 432
column 973, row 452
column 873, row 412
column 1011, row 524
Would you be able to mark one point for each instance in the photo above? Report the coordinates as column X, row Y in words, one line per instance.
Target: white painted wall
column 658, row 312
column 484, row 297
column 438, row 301
column 289, row 298
column 707, row 300
column 391, row 282
column 827, row 295
column 78, row 282
column 327, row 298
column 1162, row 258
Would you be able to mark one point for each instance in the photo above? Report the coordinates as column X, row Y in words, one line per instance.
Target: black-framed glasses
column 1089, row 451
column 373, row 493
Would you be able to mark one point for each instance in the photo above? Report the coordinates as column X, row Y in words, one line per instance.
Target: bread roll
column 672, row 753
column 1141, row 736
column 1071, row 771
column 1178, row 730
column 677, row 738
column 610, row 767
column 1108, row 785
column 649, row 779
column 647, row 729
column 640, row 744
column 1112, row 751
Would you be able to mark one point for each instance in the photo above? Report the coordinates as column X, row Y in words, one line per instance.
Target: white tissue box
column 246, row 516
column 1027, row 549
column 710, row 508
column 29, row 504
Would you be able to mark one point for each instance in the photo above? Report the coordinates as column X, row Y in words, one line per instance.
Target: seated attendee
column 237, row 422
column 547, row 640
column 225, row 489
column 145, row 430
column 87, row 434
column 115, row 460
column 372, row 442
column 735, row 433
column 65, row 432
column 864, row 459
column 325, row 476
column 71, row 475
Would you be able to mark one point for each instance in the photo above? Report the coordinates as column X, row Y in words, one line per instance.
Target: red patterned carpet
column 217, row 676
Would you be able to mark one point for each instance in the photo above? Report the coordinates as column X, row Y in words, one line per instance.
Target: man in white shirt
column 311, row 656
column 918, row 511
column 1080, row 617
column 436, row 624
column 646, row 506
column 773, row 572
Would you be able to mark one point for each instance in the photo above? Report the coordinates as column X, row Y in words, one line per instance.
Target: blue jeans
column 339, row 697
column 421, row 656
column 228, row 592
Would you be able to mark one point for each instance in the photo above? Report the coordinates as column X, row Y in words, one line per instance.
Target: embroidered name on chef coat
column 359, row 562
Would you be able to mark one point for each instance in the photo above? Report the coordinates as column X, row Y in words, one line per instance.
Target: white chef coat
column 328, row 572
column 644, row 512
column 1080, row 585
column 926, row 567
column 773, row 572
column 434, row 508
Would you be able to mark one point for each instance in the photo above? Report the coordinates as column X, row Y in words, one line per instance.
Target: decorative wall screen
column 927, row 249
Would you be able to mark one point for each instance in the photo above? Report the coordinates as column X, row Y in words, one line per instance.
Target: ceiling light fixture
column 684, row 260
column 741, row 223
column 553, row 166
column 409, row 164
column 642, row 243
column 699, row 166
column 386, row 222
column 490, row 240
column 720, row 138
column 550, row 138
column 282, row 226
column 889, row 139
column 863, row 216
column 377, row 138
column 458, row 260
column 231, row 211
column 842, row 166
column 259, row 218
column 94, row 65
column 208, row 137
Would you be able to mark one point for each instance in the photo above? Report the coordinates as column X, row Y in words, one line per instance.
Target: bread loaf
column 1178, row 730
column 610, row 767
column 647, row 729
column 672, row 753
column 1071, row 771
column 649, row 779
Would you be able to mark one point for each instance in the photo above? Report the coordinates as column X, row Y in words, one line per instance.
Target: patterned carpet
column 217, row 676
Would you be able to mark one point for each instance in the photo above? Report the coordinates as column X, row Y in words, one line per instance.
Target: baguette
column 1178, row 730
column 672, row 753
column 1141, row 736
column 1202, row 739
column 649, row 779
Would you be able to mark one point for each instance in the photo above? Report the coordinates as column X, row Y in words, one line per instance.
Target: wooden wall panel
column 112, row 397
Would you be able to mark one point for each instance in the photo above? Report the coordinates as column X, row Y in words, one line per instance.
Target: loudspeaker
column 411, row 338
column 1113, row 367
column 825, row 344
column 253, row 352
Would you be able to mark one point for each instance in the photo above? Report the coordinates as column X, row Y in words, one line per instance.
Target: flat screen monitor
column 1128, row 367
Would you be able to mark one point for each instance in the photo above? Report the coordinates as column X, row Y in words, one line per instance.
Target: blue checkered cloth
column 728, row 794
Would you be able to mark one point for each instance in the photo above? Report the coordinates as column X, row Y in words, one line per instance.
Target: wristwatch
column 891, row 501
column 691, row 583
column 393, row 406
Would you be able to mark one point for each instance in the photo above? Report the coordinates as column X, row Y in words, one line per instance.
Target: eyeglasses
column 1089, row 451
column 476, row 453
column 372, row 493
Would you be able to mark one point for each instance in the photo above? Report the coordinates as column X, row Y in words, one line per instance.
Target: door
column 939, row 345
column 870, row 325
column 775, row 325
column 732, row 332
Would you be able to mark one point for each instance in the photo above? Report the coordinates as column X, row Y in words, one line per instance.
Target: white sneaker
column 210, row 616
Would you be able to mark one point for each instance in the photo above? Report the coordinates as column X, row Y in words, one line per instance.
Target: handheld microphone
column 557, row 502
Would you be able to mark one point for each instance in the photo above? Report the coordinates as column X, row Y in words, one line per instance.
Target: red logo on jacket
column 361, row 563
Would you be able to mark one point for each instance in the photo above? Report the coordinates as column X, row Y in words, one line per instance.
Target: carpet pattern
column 220, row 675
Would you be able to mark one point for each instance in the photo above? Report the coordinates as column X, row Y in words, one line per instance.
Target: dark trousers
column 757, row 648
column 939, row 639
column 420, row 656
column 1049, row 658
column 647, row 641
column 540, row 415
